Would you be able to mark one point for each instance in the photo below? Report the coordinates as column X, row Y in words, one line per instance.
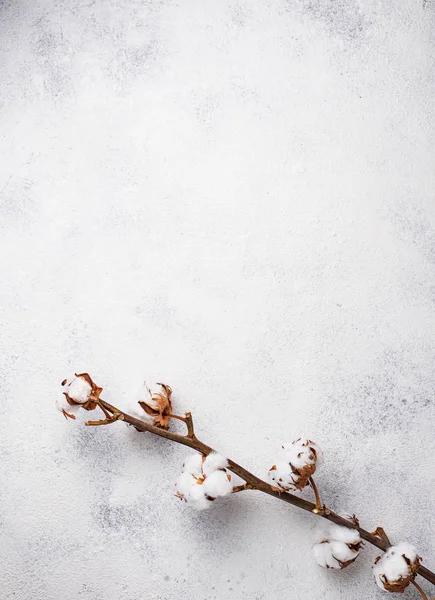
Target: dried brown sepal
column 68, row 415
column 355, row 520
column 162, row 412
column 303, row 475
column 356, row 547
column 347, row 562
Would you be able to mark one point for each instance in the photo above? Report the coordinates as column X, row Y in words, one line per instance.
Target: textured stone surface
column 238, row 197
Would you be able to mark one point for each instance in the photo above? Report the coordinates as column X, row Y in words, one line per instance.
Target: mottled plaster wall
column 239, row 198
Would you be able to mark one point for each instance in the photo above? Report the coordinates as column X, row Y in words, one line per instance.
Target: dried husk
column 162, row 412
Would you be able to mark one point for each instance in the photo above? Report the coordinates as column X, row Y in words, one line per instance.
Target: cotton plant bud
column 154, row 405
column 79, row 392
column 203, row 479
column 295, row 465
column 396, row 568
column 337, row 547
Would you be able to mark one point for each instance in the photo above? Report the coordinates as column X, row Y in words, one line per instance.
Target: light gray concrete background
column 238, row 197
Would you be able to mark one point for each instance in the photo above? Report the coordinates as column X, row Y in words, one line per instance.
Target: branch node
column 321, row 510
column 110, row 418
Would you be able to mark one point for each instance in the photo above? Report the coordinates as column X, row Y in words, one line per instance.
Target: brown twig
column 380, row 532
column 253, row 482
column 423, row 595
column 189, row 424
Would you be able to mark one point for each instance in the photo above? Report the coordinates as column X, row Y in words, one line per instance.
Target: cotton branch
column 253, row 482
column 293, row 471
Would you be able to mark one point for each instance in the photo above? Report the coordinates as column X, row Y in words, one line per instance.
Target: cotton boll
column 78, row 389
column 331, row 554
column 396, row 568
column 193, row 464
column 213, row 462
column 296, row 463
column 324, row 557
column 217, row 484
column 198, row 489
column 337, row 547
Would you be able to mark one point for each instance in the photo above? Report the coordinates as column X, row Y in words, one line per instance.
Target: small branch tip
column 189, row 424
column 380, row 533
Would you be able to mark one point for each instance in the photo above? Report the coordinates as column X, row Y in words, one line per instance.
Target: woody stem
column 380, row 532
column 423, row 595
column 254, row 482
column 106, row 414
